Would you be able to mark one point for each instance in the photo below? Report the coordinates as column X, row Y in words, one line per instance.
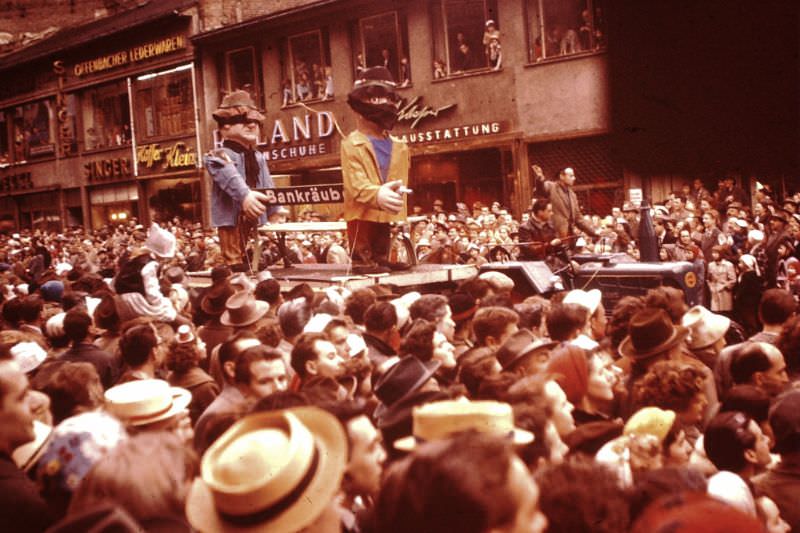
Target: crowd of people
column 132, row 400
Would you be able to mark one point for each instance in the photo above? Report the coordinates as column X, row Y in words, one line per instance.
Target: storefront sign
column 62, row 112
column 177, row 156
column 411, row 111
column 301, row 136
column 306, row 194
column 297, row 151
column 454, row 133
column 107, row 169
column 134, row 54
column 16, row 182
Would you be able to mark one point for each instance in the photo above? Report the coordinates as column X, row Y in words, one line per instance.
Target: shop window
column 106, row 116
column 466, row 36
column 5, row 146
column 241, row 72
column 164, row 104
column 113, row 204
column 307, row 72
column 559, row 28
column 34, row 130
column 170, row 198
column 382, row 40
column 40, row 211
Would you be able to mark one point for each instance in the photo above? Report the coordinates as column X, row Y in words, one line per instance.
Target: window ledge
column 567, row 57
column 302, row 103
column 468, row 74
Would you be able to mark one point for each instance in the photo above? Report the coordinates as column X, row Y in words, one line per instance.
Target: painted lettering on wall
column 454, row 133
column 300, row 128
column 65, row 137
column 16, row 182
column 134, row 54
column 107, row 169
column 297, row 151
column 177, row 156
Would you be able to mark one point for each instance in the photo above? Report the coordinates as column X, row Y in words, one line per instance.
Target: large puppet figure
column 238, row 169
column 374, row 169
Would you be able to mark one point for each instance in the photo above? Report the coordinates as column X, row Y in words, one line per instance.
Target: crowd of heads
column 131, row 397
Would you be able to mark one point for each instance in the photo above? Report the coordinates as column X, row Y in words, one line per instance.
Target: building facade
column 98, row 124
column 481, row 102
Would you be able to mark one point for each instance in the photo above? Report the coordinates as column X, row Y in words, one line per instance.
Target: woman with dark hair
column 183, row 361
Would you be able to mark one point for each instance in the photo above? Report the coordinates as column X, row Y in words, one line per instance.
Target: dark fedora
column 780, row 214
column 519, row 345
column 404, row 378
column 242, row 309
column 220, row 274
column 213, row 302
column 651, row 332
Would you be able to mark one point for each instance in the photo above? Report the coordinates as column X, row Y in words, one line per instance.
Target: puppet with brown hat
column 374, row 168
column 238, row 169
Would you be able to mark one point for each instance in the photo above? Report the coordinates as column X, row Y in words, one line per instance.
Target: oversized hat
column 651, row 332
column 705, row 328
column 274, row 471
column 236, row 106
column 439, row 420
column 160, row 242
column 374, row 82
column 146, row 401
column 242, row 309
column 519, row 345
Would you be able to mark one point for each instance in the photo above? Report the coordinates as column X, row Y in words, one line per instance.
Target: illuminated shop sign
column 454, row 133
column 132, row 55
column 173, row 157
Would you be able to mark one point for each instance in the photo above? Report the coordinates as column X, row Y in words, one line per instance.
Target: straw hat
column 705, row 328
column 145, row 401
column 274, row 471
column 439, row 420
column 242, row 309
column 28, row 454
column 28, row 355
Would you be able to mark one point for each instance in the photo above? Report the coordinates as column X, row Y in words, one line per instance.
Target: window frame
column 444, row 34
column 289, row 64
column 85, row 96
column 138, row 113
column 401, row 43
column 258, row 96
column 18, row 112
column 530, row 36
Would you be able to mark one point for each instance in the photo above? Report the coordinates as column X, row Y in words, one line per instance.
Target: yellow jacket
column 362, row 180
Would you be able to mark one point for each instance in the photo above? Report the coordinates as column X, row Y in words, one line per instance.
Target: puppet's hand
column 388, row 197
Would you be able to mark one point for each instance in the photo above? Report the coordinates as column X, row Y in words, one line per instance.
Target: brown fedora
column 519, row 345
column 213, row 302
column 236, row 104
column 651, row 332
column 242, row 309
column 274, row 471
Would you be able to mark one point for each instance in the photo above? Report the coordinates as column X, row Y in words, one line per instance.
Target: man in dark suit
column 566, row 210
